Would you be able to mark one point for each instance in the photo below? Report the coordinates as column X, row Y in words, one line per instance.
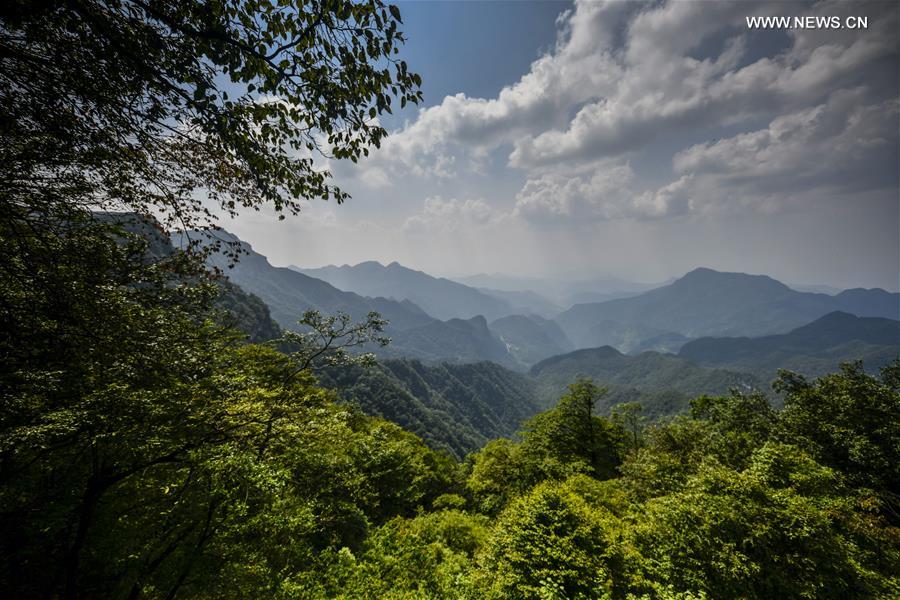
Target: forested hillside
column 662, row 383
column 452, row 407
column 814, row 349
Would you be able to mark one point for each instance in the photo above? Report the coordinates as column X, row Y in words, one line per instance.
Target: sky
column 626, row 139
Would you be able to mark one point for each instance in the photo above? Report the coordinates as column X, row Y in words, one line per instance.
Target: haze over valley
column 706, row 332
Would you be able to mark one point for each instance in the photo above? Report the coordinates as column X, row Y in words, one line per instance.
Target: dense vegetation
column 453, row 407
column 735, row 500
column 662, row 383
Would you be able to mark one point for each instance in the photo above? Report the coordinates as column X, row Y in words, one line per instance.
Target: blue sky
column 627, row 139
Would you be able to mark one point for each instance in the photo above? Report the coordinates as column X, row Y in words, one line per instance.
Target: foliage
column 571, row 438
column 332, row 340
column 143, row 104
column 145, row 448
column 849, row 421
column 707, row 505
column 555, row 539
column 781, row 528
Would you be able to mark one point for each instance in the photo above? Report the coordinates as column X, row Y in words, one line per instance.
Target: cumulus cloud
column 605, row 193
column 661, row 89
column 840, row 146
column 453, row 215
column 623, row 76
column 622, row 73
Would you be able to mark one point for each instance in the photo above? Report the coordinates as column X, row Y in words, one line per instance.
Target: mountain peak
column 707, row 276
column 366, row 264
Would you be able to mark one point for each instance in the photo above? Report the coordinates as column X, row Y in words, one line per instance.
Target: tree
column 186, row 107
column 739, row 423
column 628, row 416
column 329, row 341
column 496, row 475
column 783, row 527
column 570, row 438
column 849, row 421
column 557, row 541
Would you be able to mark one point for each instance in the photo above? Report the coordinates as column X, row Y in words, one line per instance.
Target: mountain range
column 441, row 298
column 705, row 302
column 813, row 349
column 729, row 330
column 461, row 381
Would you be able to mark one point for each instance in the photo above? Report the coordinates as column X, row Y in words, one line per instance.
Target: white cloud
column 453, row 215
column 662, row 89
column 605, row 193
column 840, row 146
column 622, row 74
column 836, row 147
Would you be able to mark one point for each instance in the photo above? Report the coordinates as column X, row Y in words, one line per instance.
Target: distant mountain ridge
column 414, row 333
column 814, row 349
column 289, row 293
column 439, row 297
column 662, row 383
column 705, row 302
column 561, row 292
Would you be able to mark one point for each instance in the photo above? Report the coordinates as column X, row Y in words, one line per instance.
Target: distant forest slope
column 242, row 310
column 663, row 383
column 814, row 349
column 456, row 408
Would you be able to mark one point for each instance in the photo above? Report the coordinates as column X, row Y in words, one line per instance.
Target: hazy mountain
column 663, row 383
column 812, row 349
column 439, row 297
column 563, row 292
column 455, row 340
column 452, row 407
column 873, row 302
column 710, row 303
column 588, row 297
column 499, row 281
column 289, row 293
column 630, row 337
column 664, row 342
column 414, row 333
column 815, row 288
column 530, row 339
column 239, row 308
column 525, row 302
